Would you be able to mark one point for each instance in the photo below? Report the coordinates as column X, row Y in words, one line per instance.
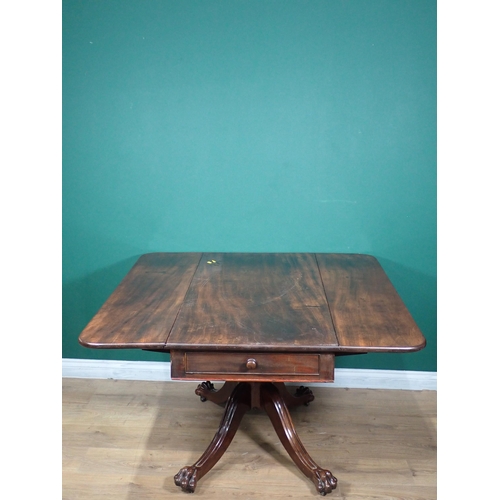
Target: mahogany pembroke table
column 255, row 321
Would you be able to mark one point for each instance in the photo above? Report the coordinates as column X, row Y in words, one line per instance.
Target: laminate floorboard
column 125, row 440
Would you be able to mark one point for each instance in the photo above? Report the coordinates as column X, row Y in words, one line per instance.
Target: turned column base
column 274, row 399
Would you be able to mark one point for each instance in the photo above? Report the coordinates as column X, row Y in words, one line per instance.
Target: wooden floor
column 127, row 439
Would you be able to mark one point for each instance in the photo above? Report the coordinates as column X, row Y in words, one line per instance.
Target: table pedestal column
column 239, row 398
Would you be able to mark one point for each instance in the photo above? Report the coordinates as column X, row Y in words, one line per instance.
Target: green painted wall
column 249, row 125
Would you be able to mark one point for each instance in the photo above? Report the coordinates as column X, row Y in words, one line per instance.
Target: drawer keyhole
column 251, row 364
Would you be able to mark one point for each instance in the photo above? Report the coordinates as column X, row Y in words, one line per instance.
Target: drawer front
column 239, row 366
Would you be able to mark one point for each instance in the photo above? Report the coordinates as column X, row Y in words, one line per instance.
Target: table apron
column 258, row 366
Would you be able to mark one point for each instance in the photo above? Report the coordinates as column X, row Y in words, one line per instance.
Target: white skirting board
column 352, row 378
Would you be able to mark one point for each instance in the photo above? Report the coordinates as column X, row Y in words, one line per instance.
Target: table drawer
column 213, row 365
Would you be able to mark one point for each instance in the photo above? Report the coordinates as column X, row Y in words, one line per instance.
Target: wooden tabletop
column 287, row 302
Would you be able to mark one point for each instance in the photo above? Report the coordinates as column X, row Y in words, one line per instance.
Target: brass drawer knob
column 251, row 364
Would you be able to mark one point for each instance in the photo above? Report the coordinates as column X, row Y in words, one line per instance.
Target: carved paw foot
column 324, row 481
column 305, row 393
column 186, row 479
column 203, row 388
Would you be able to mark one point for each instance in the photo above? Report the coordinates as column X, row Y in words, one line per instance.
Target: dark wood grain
column 276, row 408
column 141, row 311
column 244, row 397
column 266, row 366
column 318, row 303
column 236, row 407
column 255, row 320
column 255, row 301
column 367, row 312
